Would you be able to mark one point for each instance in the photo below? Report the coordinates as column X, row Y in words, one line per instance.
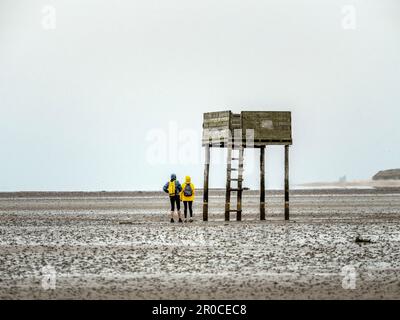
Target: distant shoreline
column 353, row 184
column 219, row 192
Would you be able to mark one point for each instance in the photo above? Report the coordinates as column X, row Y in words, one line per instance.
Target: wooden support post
column 239, row 184
column 228, row 182
column 262, row 183
column 205, row 186
column 286, row 182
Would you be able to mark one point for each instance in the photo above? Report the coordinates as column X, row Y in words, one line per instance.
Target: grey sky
column 79, row 102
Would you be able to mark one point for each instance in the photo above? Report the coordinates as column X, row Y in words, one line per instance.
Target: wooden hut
column 249, row 129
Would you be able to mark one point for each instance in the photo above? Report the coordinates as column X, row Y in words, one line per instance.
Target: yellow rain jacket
column 187, row 182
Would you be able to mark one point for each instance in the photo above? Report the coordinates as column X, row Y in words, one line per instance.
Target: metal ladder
column 239, row 179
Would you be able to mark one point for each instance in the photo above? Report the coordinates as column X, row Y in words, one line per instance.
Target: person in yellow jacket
column 174, row 188
column 187, row 196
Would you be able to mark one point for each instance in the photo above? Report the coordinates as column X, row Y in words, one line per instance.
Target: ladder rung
column 239, row 189
column 235, row 159
column 234, row 210
column 236, row 179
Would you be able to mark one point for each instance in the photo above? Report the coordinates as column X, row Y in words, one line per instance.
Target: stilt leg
column 262, row 183
column 239, row 184
column 205, row 186
column 286, row 182
column 228, row 182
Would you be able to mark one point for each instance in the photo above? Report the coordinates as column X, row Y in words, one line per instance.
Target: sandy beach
column 122, row 246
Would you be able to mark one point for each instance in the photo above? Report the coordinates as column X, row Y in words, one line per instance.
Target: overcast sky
column 109, row 95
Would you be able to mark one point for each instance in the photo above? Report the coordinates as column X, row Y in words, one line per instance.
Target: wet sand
column 122, row 246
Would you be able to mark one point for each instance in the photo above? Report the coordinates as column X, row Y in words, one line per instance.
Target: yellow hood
column 187, row 179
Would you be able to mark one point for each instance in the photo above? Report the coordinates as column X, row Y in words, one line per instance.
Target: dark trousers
column 190, row 203
column 175, row 200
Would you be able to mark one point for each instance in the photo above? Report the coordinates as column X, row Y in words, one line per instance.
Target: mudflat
column 121, row 245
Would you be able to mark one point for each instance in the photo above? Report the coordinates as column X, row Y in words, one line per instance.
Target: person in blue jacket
column 174, row 188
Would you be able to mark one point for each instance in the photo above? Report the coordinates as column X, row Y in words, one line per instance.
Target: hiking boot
column 180, row 220
column 172, row 220
column 185, row 220
column 190, row 220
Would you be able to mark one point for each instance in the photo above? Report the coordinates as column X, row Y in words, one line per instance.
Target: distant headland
column 392, row 174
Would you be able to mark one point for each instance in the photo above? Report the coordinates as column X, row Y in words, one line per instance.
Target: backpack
column 188, row 192
column 171, row 188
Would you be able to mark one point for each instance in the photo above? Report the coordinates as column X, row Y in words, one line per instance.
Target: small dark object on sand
column 361, row 240
column 125, row 222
